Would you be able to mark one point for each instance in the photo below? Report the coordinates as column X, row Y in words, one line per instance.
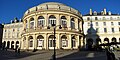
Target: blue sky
column 16, row 8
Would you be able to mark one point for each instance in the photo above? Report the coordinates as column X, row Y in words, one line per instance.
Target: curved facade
column 38, row 32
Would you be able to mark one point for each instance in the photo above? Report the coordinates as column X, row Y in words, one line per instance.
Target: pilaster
column 76, row 24
column 69, row 41
column 68, row 22
column 58, row 41
column 34, row 42
column 45, row 41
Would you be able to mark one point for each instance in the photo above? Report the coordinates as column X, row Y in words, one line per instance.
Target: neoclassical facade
column 101, row 28
column 38, row 27
column 12, row 34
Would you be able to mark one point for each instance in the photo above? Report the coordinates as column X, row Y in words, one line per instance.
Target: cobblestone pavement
column 60, row 54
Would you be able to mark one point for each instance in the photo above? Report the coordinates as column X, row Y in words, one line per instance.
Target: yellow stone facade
column 36, row 21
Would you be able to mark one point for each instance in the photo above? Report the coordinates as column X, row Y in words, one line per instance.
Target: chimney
column 105, row 11
column 11, row 21
column 90, row 11
column 109, row 13
column 95, row 13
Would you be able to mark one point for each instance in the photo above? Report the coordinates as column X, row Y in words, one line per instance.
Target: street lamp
column 54, row 44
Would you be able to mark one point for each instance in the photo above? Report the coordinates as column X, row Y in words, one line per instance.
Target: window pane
column 105, row 30
column 113, row 30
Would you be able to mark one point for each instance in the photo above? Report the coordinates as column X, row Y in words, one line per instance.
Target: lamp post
column 54, row 44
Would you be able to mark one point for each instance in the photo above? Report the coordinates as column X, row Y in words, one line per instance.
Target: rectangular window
column 112, row 24
column 119, row 29
column 96, row 23
column 118, row 23
column 113, row 30
column 88, row 18
column 105, row 30
column 104, row 23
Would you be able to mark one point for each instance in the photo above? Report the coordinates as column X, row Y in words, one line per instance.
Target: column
column 82, row 42
column 10, row 44
column 58, row 41
column 36, row 21
column 46, row 20
column 76, row 24
column 57, row 20
column 34, row 42
column 68, row 23
column 29, row 24
column 22, row 43
column 45, row 41
column 78, row 41
column 27, row 43
column 69, row 42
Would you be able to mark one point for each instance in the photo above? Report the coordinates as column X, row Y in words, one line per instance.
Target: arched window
column 30, row 41
column 106, row 39
column 52, row 20
column 51, row 41
column 64, row 21
column 32, row 23
column 40, row 41
column 72, row 23
column 114, row 39
column 41, row 21
column 73, row 41
column 64, row 41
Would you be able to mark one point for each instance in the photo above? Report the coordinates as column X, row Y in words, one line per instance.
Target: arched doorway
column 4, row 44
column 40, row 41
column 17, row 44
column 30, row 43
column 106, row 40
column 114, row 40
column 8, row 44
column 73, row 42
column 51, row 42
column 12, row 45
column 89, row 43
column 64, row 41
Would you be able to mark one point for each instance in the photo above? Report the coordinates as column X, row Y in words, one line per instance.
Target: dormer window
column 96, row 18
column 88, row 18
column 111, row 18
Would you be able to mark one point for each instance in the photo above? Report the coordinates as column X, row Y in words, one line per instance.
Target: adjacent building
column 12, row 34
column 101, row 27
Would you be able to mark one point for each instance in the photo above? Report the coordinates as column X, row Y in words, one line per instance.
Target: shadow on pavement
column 84, row 55
column 11, row 54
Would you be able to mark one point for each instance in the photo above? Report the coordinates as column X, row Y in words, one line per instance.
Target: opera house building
column 38, row 25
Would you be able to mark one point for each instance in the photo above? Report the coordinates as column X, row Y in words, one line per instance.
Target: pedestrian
column 18, row 50
column 112, row 56
column 108, row 55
